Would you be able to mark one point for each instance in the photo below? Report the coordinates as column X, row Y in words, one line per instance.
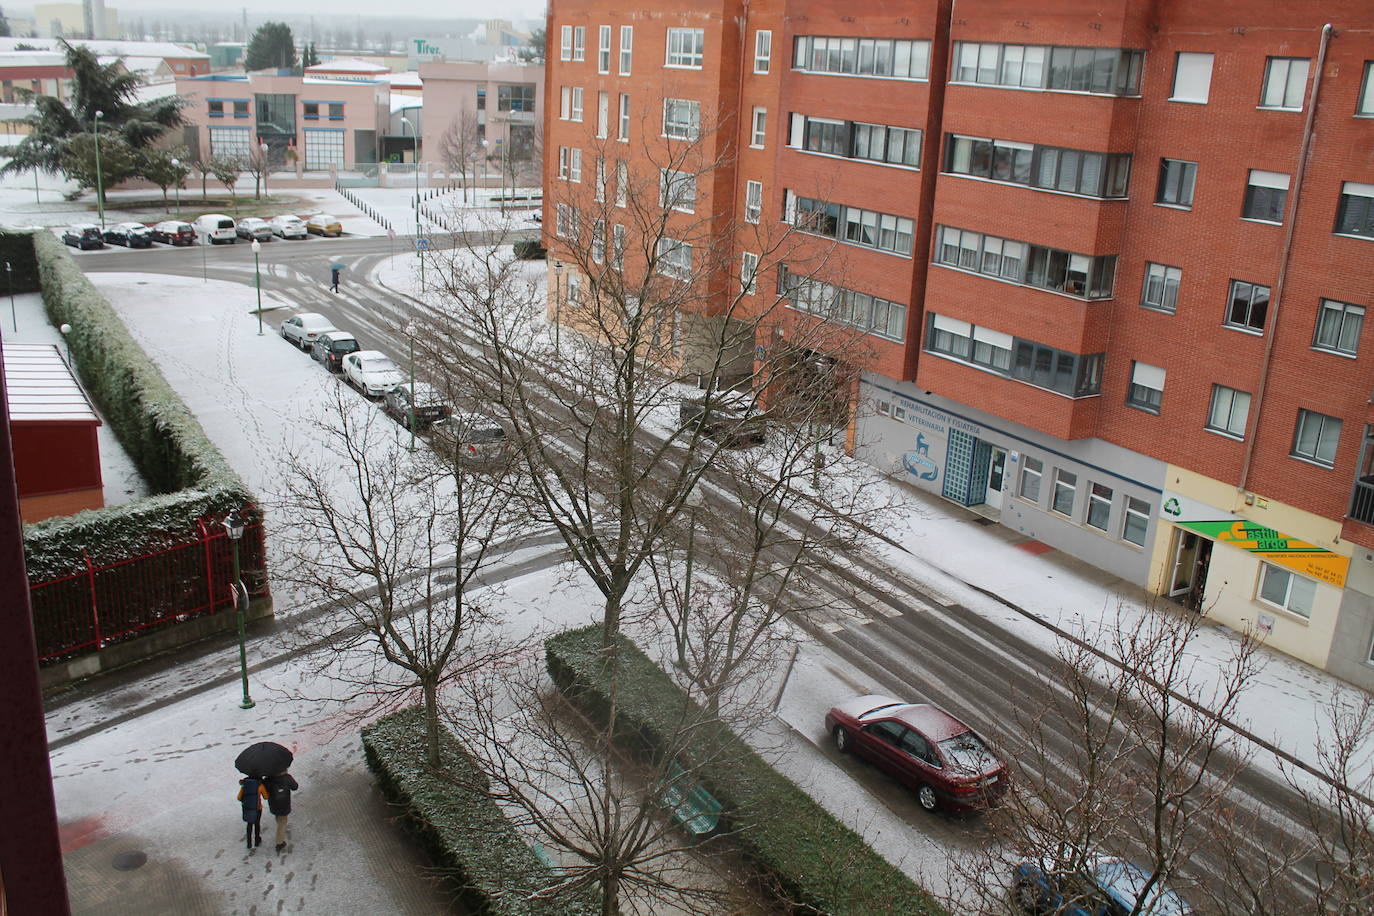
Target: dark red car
column 934, row 754
column 174, row 232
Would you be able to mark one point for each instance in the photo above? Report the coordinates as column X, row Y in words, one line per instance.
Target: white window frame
column 753, row 201
column 1297, row 590
column 759, row 132
column 684, row 48
column 1166, row 280
column 622, row 183
column 603, row 49
column 623, row 129
column 603, row 114
column 627, row 47
column 763, row 50
column 677, row 190
column 565, row 45
column 1138, row 511
column 1064, row 482
column 1192, row 78
column 579, row 48
column 1345, row 315
column 599, row 241
column 564, row 103
column 617, row 256
column 1285, row 88
column 748, row 273
column 1228, row 412
column 575, row 165
column 563, row 158
column 1273, row 181
column 1364, row 105
column 1326, row 441
column 1145, row 381
column 674, row 258
column 691, row 128
column 576, row 113
column 599, row 190
column 1030, row 478
column 562, row 220
column 1100, row 497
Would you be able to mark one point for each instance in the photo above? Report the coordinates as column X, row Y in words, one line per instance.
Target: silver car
column 289, row 227
column 250, row 227
column 302, row 329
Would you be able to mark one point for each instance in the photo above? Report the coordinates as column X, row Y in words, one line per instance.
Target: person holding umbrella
column 279, row 789
column 334, row 270
column 261, row 760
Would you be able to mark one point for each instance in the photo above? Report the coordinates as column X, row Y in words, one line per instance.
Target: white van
column 213, row 228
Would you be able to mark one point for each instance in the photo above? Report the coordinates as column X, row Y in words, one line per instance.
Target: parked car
column 371, row 372
column 213, row 228
column 133, row 235
column 84, row 236
column 428, row 404
column 250, row 227
column 174, row 232
column 332, row 346
column 731, row 419
column 474, row 439
column 289, row 227
column 940, row 758
column 302, row 329
column 324, row 224
column 1108, row 886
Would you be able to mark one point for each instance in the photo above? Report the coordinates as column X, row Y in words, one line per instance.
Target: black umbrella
column 266, row 758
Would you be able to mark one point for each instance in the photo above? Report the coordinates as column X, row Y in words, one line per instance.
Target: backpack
column 252, row 799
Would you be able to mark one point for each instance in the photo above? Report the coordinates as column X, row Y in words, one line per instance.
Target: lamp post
column 14, row 316
column 557, row 306
column 257, row 271
column 67, row 329
column 693, row 502
column 176, row 164
column 262, row 148
column 410, row 335
column 419, row 252
column 233, row 526
column 99, row 178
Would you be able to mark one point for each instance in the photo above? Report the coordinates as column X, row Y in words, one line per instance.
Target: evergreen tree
column 309, row 57
column 117, row 159
column 4, row 25
column 272, row 48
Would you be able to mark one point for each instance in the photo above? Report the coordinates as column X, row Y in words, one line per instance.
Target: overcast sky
column 438, row 9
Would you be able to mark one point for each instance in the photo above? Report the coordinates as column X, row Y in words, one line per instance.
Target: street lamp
column 67, row 329
column 693, row 502
column 14, row 316
column 262, row 148
column 233, row 526
column 176, row 164
column 99, row 178
column 557, row 306
column 257, row 270
column 410, row 335
column 419, row 252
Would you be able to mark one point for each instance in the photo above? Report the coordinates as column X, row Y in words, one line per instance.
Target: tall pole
column 501, row 165
column 262, row 148
column 557, row 306
column 233, row 525
column 410, row 333
column 419, row 252
column 99, row 177
column 176, row 164
column 14, row 316
column 36, row 198
column 257, row 270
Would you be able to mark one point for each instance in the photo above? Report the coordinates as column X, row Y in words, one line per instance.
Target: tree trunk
column 610, row 896
column 431, row 690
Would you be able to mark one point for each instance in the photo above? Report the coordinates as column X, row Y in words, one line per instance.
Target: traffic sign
column 422, row 243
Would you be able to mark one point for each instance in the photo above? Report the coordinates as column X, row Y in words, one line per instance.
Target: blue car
column 1106, row 887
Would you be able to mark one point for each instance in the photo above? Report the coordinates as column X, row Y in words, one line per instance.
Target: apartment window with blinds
column 890, row 58
column 1103, row 71
column 1192, row 78
column 1160, row 291
column 565, row 46
column 970, row 343
column 1086, row 276
column 1049, row 168
column 1229, row 411
column 759, row 133
column 1338, row 327
column 1316, row 438
column 622, row 183
column 870, row 314
column 880, row 143
column 1285, row 83
column 1177, row 179
column 623, row 134
column 867, row 228
column 1146, row 390
column 1266, row 194
column 753, row 201
column 1355, row 212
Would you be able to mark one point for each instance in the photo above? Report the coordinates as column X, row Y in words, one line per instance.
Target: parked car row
column 209, row 229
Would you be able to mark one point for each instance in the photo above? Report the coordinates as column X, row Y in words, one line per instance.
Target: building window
column 599, row 241
column 323, row 148
column 674, row 258
column 1160, row 291
column 1249, row 306
column 1099, row 507
column 1146, row 390
column 681, row 119
column 1032, row 470
column 603, row 114
column 240, row 108
column 1365, row 107
column 686, row 47
column 881, row 231
column 1355, row 215
column 216, row 108
column 1176, row 180
column 1104, row 71
column 1316, row 437
column 1284, row 589
column 1065, row 490
column 971, row 343
column 563, row 162
column 760, row 130
column 600, row 188
column 627, row 42
column 1031, row 265
column 891, row 58
column 1285, row 83
column 564, row 103
column 565, row 46
column 618, row 247
column 622, row 183
column 1266, row 194
column 336, row 111
column 603, row 49
column 576, row 113
column 1362, row 501
column 1057, row 370
column 230, row 142
column 1338, row 327
column 515, row 97
column 1047, row 167
column 1192, row 77
column 870, row 314
column 575, row 165
column 748, row 272
column 624, row 131
column 1136, row 522
column 677, row 190
column 1229, row 411
column 579, row 48
column 763, row 50
column 567, row 222
column 753, row 201
column 880, row 143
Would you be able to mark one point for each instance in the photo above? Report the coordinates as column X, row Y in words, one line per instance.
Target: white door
column 997, row 472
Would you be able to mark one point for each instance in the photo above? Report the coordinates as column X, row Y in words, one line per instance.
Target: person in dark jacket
column 279, row 789
column 251, row 794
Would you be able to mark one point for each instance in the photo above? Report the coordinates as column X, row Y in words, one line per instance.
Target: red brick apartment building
column 1111, row 260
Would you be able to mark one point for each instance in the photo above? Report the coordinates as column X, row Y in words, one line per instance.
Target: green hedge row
column 812, row 859
column 460, row 825
column 153, row 424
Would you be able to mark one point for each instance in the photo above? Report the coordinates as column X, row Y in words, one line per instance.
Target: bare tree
column 396, row 544
column 205, row 167
column 460, row 148
column 258, row 163
column 226, row 170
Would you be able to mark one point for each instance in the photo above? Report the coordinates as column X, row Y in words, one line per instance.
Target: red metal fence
column 89, row 610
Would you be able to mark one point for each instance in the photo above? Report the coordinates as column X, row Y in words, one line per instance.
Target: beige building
column 475, row 101
column 68, row 20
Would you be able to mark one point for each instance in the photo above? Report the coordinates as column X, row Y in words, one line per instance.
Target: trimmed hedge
column 460, row 825
column 153, row 424
column 814, row 861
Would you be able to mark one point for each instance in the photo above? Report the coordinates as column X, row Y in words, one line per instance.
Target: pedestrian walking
column 334, row 279
column 279, row 789
column 251, row 794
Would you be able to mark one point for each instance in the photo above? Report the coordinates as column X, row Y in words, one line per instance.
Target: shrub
column 810, row 858
column 460, row 825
